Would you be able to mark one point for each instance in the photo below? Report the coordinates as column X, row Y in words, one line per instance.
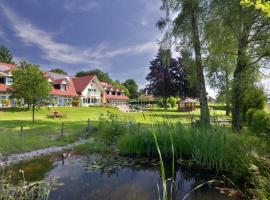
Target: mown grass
column 46, row 132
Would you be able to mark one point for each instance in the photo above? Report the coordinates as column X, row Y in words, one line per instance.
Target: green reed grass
column 210, row 147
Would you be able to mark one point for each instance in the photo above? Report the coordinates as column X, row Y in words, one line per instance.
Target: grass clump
column 91, row 146
column 210, row 147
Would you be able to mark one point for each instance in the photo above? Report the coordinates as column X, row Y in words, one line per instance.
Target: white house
column 89, row 89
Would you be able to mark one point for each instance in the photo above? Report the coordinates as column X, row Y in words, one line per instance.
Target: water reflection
column 129, row 183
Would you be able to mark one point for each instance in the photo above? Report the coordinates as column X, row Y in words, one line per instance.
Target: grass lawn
column 47, row 132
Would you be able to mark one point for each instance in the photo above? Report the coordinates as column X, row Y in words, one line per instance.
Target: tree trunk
column 204, row 117
column 241, row 66
column 227, row 88
column 33, row 113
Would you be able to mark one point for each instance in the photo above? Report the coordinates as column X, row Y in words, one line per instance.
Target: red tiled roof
column 3, row 88
column 70, row 90
column 81, row 83
column 10, row 66
column 116, row 97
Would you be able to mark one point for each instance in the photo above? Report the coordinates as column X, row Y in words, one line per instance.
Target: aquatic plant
column 24, row 190
column 210, row 147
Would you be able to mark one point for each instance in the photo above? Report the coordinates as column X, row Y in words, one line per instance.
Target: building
column 89, row 90
column 5, row 83
column 114, row 96
column 63, row 89
column 187, row 105
column 86, row 90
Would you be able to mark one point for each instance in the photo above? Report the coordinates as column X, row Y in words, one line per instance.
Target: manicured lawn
column 47, row 132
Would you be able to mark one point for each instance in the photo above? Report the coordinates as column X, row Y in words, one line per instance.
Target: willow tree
column 188, row 26
column 251, row 37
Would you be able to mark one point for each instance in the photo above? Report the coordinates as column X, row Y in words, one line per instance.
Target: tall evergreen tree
column 5, row 55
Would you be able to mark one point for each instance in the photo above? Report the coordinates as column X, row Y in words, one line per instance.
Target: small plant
column 260, row 122
column 24, row 190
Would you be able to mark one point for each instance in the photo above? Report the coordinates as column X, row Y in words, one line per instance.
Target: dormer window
column 63, row 87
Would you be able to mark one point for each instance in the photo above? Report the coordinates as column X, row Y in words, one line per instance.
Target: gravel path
column 16, row 158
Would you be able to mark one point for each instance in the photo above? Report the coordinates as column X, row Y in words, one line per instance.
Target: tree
column 220, row 62
column 262, row 5
column 132, row 87
column 167, row 77
column 58, row 71
column 31, row 85
column 188, row 26
column 251, row 32
column 5, row 55
column 102, row 76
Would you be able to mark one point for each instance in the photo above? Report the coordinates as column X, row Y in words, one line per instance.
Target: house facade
column 114, row 96
column 63, row 90
column 89, row 90
column 86, row 90
column 6, row 80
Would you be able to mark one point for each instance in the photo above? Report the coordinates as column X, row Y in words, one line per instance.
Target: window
column 63, row 87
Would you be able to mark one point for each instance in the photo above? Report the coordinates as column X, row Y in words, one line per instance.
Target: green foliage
column 249, row 115
column 5, row 55
column 92, row 146
column 30, row 84
column 260, row 122
column 254, row 98
column 262, row 5
column 58, row 71
column 110, row 128
column 101, row 75
column 75, row 103
column 24, row 190
column 172, row 101
column 211, row 147
column 132, row 87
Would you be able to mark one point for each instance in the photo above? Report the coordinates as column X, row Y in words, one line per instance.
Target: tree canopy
column 132, row 87
column 31, row 85
column 58, row 71
column 102, row 76
column 167, row 76
column 188, row 27
column 5, row 55
column 261, row 5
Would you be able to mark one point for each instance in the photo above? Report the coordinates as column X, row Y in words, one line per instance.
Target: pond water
column 129, row 183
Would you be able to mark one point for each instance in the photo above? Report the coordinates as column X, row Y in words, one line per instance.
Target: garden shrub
column 254, row 98
column 260, row 122
column 110, row 127
column 249, row 115
column 172, row 101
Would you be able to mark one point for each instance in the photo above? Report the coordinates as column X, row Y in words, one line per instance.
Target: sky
column 117, row 36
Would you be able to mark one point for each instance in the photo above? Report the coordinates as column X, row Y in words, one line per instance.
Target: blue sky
column 118, row 36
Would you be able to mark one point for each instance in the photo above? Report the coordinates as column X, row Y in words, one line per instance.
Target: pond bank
column 19, row 157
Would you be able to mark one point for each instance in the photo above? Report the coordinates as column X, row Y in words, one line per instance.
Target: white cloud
column 81, row 5
column 54, row 51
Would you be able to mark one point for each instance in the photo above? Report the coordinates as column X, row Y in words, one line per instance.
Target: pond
column 130, row 182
